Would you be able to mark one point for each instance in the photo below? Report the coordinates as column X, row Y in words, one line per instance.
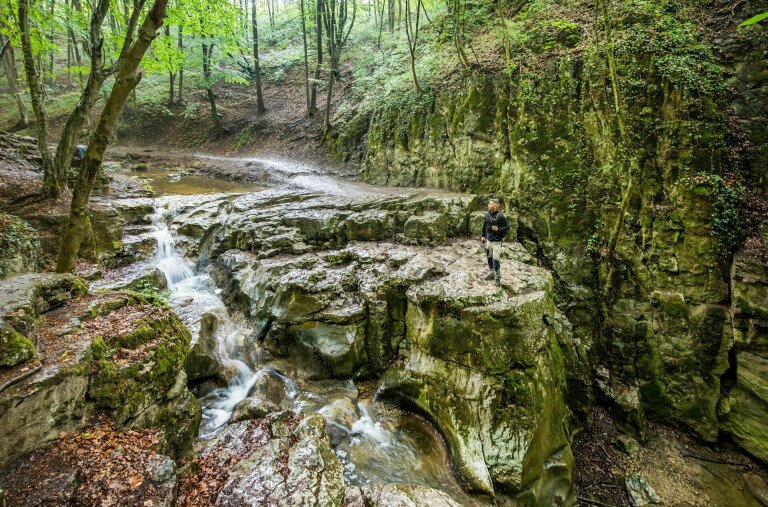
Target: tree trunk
column 391, row 14
column 13, row 82
column 171, row 75
column 53, row 51
column 51, row 185
column 181, row 70
column 75, row 49
column 207, row 52
column 327, row 121
column 318, row 68
column 68, row 141
column 412, row 35
column 306, row 58
column 256, row 66
column 126, row 80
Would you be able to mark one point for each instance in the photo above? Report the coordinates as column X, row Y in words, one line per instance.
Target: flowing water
column 376, row 443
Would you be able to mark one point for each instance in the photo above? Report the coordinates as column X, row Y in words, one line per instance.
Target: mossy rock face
column 111, row 353
column 744, row 410
column 132, row 370
column 548, row 143
column 426, row 229
column 487, row 368
column 202, row 361
column 104, row 240
column 15, row 348
column 340, row 348
column 26, row 297
column 19, row 246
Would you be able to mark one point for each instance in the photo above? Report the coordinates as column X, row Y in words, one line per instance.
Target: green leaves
column 754, row 20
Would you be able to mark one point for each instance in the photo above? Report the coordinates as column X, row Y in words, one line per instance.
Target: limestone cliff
column 636, row 210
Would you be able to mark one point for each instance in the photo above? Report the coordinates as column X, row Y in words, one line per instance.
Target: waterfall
column 173, row 266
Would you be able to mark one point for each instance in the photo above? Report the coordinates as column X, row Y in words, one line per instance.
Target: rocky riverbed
column 308, row 341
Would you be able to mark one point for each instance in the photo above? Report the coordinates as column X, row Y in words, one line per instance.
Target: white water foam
column 173, row 265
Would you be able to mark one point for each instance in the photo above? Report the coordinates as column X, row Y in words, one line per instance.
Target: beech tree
column 256, row 66
column 338, row 25
column 128, row 76
column 8, row 60
column 101, row 68
column 215, row 23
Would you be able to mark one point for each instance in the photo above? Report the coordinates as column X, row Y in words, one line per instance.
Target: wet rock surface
column 482, row 362
column 283, row 459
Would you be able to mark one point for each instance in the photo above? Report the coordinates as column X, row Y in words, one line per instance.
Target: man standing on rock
column 495, row 227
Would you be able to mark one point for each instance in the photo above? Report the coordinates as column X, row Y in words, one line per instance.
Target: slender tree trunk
column 51, row 185
column 318, row 68
column 69, row 46
column 391, row 14
column 125, row 81
column 327, row 121
column 68, row 141
column 384, row 3
column 412, row 34
column 13, row 82
column 75, row 49
column 207, row 52
column 171, row 87
column 171, row 75
column 181, row 70
column 306, row 57
column 256, row 66
column 53, row 51
column 271, row 14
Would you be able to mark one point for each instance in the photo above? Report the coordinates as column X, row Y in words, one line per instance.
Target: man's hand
column 494, row 227
column 482, row 240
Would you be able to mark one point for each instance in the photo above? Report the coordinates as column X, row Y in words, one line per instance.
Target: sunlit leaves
column 754, row 20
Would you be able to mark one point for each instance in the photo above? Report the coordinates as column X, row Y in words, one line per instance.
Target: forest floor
column 685, row 472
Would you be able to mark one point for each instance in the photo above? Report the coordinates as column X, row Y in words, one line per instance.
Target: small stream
column 375, row 442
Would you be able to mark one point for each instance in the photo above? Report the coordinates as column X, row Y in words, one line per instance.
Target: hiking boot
column 498, row 280
column 490, row 276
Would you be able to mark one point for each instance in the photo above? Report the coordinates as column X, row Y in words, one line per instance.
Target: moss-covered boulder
column 15, row 348
column 425, row 229
column 486, row 367
column 26, row 297
column 202, row 361
column 114, row 354
column 137, row 374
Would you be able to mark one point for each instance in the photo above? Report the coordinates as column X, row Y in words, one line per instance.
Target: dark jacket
column 498, row 219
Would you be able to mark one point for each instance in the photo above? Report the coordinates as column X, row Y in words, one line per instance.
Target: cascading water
column 173, row 266
column 372, row 442
column 191, row 296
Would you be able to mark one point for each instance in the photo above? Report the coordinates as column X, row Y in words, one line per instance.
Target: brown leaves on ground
column 101, row 466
